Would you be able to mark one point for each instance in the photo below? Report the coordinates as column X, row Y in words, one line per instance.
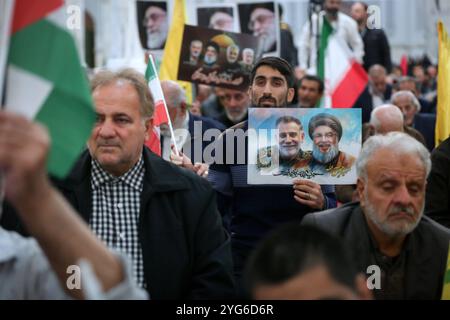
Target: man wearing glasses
column 325, row 130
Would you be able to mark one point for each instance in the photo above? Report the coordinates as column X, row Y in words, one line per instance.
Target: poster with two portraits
column 317, row 144
column 228, row 39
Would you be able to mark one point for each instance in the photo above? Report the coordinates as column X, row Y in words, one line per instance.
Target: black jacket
column 438, row 186
column 364, row 102
column 426, row 258
column 185, row 249
column 376, row 49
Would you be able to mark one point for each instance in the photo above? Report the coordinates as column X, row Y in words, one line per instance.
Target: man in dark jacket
column 376, row 44
column 403, row 252
column 163, row 217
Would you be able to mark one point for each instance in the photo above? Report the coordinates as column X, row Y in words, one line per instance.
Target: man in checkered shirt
column 163, row 217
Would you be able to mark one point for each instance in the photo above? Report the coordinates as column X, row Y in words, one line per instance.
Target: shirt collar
column 133, row 177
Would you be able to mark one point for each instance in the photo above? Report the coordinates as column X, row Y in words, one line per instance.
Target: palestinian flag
column 45, row 81
column 344, row 78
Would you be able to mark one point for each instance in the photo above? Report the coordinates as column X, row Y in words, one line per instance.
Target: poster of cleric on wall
column 215, row 57
column 315, row 144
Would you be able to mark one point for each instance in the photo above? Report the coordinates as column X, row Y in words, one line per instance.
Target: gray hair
column 175, row 93
column 410, row 95
column 395, row 114
column 398, row 142
column 134, row 78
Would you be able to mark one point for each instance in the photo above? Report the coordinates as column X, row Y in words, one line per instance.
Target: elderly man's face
column 325, row 147
column 120, row 131
column 270, row 89
column 155, row 22
column 248, row 56
column 407, row 107
column 290, row 138
column 378, row 83
column 221, row 21
column 393, row 197
column 235, row 103
column 262, row 24
column 210, row 55
column 196, row 48
column 232, row 54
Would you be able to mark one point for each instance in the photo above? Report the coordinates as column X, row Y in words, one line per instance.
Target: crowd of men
column 182, row 227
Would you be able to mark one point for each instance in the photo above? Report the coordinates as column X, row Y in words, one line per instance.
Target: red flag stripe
column 154, row 141
column 160, row 114
column 351, row 86
column 27, row 12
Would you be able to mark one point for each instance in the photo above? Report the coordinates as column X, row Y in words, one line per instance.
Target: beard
column 268, row 40
column 289, row 153
column 325, row 157
column 388, row 228
column 156, row 39
column 234, row 117
column 210, row 60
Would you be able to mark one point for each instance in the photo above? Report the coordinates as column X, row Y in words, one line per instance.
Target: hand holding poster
column 315, row 144
column 218, row 58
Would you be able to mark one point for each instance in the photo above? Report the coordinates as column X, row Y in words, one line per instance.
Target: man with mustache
column 325, row 130
column 165, row 218
column 251, row 211
column 290, row 139
column 403, row 252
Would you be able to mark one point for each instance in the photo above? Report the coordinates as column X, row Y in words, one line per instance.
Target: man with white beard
column 235, row 104
column 156, row 25
column 188, row 129
column 262, row 24
column 403, row 253
column 325, row 130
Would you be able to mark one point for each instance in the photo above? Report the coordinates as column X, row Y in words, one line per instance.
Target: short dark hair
column 278, row 64
column 325, row 119
column 293, row 249
column 287, row 119
column 310, row 77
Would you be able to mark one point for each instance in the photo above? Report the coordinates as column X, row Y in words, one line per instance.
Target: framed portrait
column 261, row 20
column 218, row 17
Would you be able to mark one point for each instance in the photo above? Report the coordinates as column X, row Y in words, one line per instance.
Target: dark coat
column 376, row 49
column 426, row 258
column 425, row 123
column 364, row 102
column 438, row 187
column 185, row 249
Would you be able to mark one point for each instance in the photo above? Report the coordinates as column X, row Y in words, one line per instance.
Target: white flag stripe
column 25, row 91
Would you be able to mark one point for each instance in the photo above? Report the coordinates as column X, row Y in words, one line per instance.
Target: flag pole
column 169, row 121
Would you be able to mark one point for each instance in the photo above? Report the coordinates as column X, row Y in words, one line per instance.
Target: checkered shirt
column 115, row 212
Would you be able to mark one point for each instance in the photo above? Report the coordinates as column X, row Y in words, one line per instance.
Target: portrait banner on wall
column 292, row 143
column 218, row 58
column 261, row 20
column 153, row 26
column 218, row 16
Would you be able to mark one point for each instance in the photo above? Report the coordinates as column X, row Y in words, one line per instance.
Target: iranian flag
column 160, row 114
column 45, row 81
column 344, row 78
